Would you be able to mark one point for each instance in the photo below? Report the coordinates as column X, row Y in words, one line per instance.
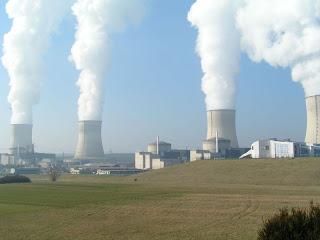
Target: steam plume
column 285, row 34
column 97, row 21
column 24, row 47
column 218, row 45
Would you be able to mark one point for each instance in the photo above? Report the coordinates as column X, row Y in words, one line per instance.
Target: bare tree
column 53, row 173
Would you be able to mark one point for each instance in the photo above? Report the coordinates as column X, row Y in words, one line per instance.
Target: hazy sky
column 153, row 88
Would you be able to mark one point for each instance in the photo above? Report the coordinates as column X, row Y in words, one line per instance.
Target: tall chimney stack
column 21, row 138
column 313, row 119
column 89, row 145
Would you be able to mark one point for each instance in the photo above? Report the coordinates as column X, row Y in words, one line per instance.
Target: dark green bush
column 14, row 179
column 296, row 224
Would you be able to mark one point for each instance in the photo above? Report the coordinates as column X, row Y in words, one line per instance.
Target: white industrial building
column 143, row 160
column 159, row 147
column 197, row 155
column 7, row 159
column 273, row 148
column 147, row 160
column 160, row 155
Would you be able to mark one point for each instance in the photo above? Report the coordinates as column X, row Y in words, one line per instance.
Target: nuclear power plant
column 313, row 120
column 221, row 142
column 89, row 146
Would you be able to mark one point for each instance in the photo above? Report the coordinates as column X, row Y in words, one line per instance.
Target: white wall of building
column 281, row 149
column 197, row 155
column 272, row 149
column 157, row 164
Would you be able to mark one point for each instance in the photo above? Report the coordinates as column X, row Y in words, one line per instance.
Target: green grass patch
column 70, row 195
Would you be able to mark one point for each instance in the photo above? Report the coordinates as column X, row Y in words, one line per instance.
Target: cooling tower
column 21, row 138
column 313, row 119
column 223, row 123
column 89, row 141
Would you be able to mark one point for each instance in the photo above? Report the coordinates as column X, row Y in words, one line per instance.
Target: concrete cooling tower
column 21, row 138
column 89, row 145
column 313, row 119
column 223, row 124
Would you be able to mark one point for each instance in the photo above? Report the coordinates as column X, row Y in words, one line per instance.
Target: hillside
column 295, row 172
column 201, row 200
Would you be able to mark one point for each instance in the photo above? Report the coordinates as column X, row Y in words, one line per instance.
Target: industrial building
column 25, row 158
column 197, row 155
column 271, row 148
column 160, row 155
column 217, row 145
column 222, row 141
column 21, row 150
column 274, row 148
column 159, row 148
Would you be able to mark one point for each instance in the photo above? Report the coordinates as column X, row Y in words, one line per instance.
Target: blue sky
column 153, row 88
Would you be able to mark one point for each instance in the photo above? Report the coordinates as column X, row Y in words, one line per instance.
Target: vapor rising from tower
column 218, row 46
column 287, row 34
column 33, row 22
column 24, row 46
column 97, row 21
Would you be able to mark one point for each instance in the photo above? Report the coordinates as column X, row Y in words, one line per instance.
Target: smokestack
column 157, row 145
column 224, row 122
column 313, row 119
column 89, row 141
column 21, row 138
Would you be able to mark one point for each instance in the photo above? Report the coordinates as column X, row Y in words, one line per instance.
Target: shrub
column 296, row 224
column 14, row 179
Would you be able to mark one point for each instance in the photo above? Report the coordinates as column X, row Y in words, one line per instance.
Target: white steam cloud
column 284, row 33
column 97, row 21
column 218, row 45
column 24, row 46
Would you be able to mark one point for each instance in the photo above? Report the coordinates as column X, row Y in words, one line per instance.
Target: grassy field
column 202, row 200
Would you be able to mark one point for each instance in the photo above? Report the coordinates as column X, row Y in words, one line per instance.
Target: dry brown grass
column 202, row 200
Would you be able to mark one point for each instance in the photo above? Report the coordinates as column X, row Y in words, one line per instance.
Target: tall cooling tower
column 21, row 138
column 313, row 119
column 89, row 141
column 222, row 122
